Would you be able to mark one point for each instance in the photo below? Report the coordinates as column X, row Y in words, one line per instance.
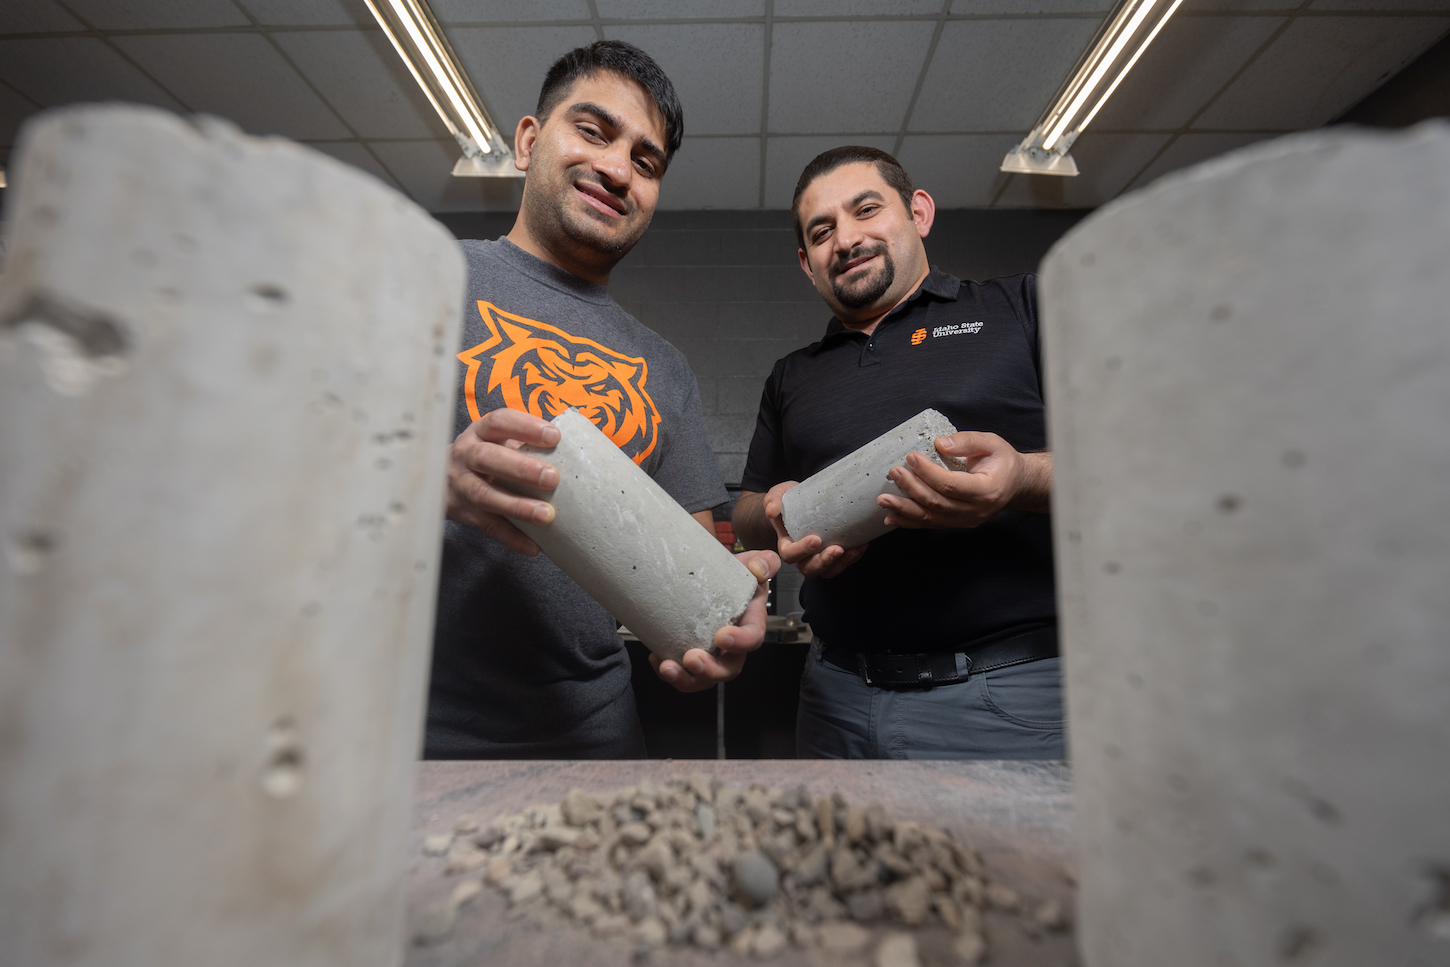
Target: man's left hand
column 698, row 670
column 996, row 478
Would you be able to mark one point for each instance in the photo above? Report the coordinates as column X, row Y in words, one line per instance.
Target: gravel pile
column 697, row 861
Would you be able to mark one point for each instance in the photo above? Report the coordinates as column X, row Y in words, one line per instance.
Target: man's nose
column 615, row 165
column 848, row 236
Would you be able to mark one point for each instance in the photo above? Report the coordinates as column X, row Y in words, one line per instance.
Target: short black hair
column 626, row 60
column 828, row 161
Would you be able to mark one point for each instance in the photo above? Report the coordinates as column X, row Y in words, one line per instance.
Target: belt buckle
column 861, row 667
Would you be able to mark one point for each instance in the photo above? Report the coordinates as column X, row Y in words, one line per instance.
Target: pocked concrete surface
column 226, row 382
column 1249, row 372
column 626, row 542
column 838, row 504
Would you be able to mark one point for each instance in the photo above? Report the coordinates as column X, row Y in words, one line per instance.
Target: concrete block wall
column 726, row 288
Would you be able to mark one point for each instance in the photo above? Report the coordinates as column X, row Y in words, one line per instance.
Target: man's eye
column 645, row 167
column 869, row 210
column 590, row 133
column 820, row 236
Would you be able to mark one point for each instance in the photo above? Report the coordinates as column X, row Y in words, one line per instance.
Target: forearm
column 1034, row 495
column 752, row 527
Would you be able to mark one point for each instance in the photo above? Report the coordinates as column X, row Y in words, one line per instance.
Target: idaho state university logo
column 543, row 370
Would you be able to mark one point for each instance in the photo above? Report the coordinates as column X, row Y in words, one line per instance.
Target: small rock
column 658, row 857
column 499, row 869
column 586, row 840
column 488, row 837
column 909, row 899
column 636, row 834
column 897, row 950
column 706, row 937
column 876, row 825
column 893, row 860
column 552, row 837
column 464, row 892
column 610, row 924
column 584, row 907
column 842, row 938
column 1003, row 898
column 639, row 896
column 782, row 817
column 865, row 905
column 856, row 825
column 812, row 867
column 756, row 878
column 732, row 918
column 651, row 932
column 435, row 923
column 950, row 913
column 465, row 824
column 802, row 934
column 969, row 948
column 700, row 785
column 1050, row 915
column 769, row 941
column 524, row 888
column 437, row 844
column 580, row 809
column 558, row 887
column 705, row 818
column 826, row 822
column 464, row 857
column 742, row 942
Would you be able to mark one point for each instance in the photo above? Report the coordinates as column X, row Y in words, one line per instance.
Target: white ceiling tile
column 1428, row 6
column 713, row 173
column 507, row 11
column 365, row 81
column 1229, row 6
column 149, row 14
column 1106, row 163
column 680, row 9
column 1099, row 7
column 957, row 170
column 786, row 158
column 425, row 170
column 702, row 61
column 35, row 16
column 65, row 70
column 353, row 153
column 310, row 13
column 816, row 84
column 1190, row 149
column 508, row 64
column 237, row 76
column 1189, row 62
column 853, row 8
column 1319, row 67
column 14, row 109
column 998, row 75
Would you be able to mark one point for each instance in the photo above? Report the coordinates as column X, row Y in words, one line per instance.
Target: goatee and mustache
column 863, row 292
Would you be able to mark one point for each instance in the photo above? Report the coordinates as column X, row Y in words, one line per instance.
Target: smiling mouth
column 855, row 264
column 601, row 200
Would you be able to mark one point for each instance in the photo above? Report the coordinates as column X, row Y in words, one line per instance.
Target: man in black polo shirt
column 937, row 640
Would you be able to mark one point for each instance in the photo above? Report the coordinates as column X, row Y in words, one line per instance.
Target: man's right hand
column 488, row 451
column 807, row 554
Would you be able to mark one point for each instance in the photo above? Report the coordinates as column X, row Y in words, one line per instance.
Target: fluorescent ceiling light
column 416, row 36
column 1125, row 35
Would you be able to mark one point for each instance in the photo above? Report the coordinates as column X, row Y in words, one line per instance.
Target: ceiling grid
column 947, row 85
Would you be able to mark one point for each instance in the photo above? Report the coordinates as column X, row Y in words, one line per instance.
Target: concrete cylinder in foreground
column 225, row 396
column 838, row 504
column 626, row 542
column 1249, row 389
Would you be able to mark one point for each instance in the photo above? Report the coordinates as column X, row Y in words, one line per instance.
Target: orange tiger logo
column 544, row 370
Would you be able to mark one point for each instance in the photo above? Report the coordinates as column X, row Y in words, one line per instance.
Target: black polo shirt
column 970, row 350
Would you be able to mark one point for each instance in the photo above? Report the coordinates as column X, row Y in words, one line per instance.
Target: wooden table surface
column 1017, row 814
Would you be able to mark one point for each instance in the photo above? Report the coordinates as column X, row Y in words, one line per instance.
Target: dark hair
column 626, row 60
column 828, row 161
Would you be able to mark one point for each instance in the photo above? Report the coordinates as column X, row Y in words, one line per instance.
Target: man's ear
column 805, row 265
column 923, row 212
column 524, row 137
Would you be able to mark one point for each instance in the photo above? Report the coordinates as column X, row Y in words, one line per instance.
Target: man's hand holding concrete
column 488, row 451
column 996, row 478
column 758, row 522
column 701, row 670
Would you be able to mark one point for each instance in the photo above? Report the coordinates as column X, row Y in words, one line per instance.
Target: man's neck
column 868, row 325
column 529, row 242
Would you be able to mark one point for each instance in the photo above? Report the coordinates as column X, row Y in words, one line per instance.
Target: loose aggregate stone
column 700, row 862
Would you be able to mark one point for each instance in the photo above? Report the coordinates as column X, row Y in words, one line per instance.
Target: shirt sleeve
column 688, row 470
column 765, row 465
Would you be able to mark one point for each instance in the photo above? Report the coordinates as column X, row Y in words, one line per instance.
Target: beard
column 863, row 291
column 555, row 214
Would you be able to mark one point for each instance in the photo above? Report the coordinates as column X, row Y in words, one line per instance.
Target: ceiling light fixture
column 1133, row 25
column 416, row 36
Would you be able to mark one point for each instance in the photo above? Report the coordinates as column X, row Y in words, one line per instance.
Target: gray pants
column 1009, row 713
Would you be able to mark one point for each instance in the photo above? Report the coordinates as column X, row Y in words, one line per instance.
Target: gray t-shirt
column 525, row 664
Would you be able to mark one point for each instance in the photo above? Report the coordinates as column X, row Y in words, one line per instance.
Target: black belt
column 886, row 669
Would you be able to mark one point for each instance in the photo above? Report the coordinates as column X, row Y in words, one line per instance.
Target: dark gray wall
column 725, row 287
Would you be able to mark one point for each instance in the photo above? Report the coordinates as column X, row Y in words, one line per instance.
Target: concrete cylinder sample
column 626, row 542
column 1249, row 381
column 226, row 371
column 838, row 504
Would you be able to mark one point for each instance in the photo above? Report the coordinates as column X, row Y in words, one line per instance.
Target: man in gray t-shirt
column 525, row 664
